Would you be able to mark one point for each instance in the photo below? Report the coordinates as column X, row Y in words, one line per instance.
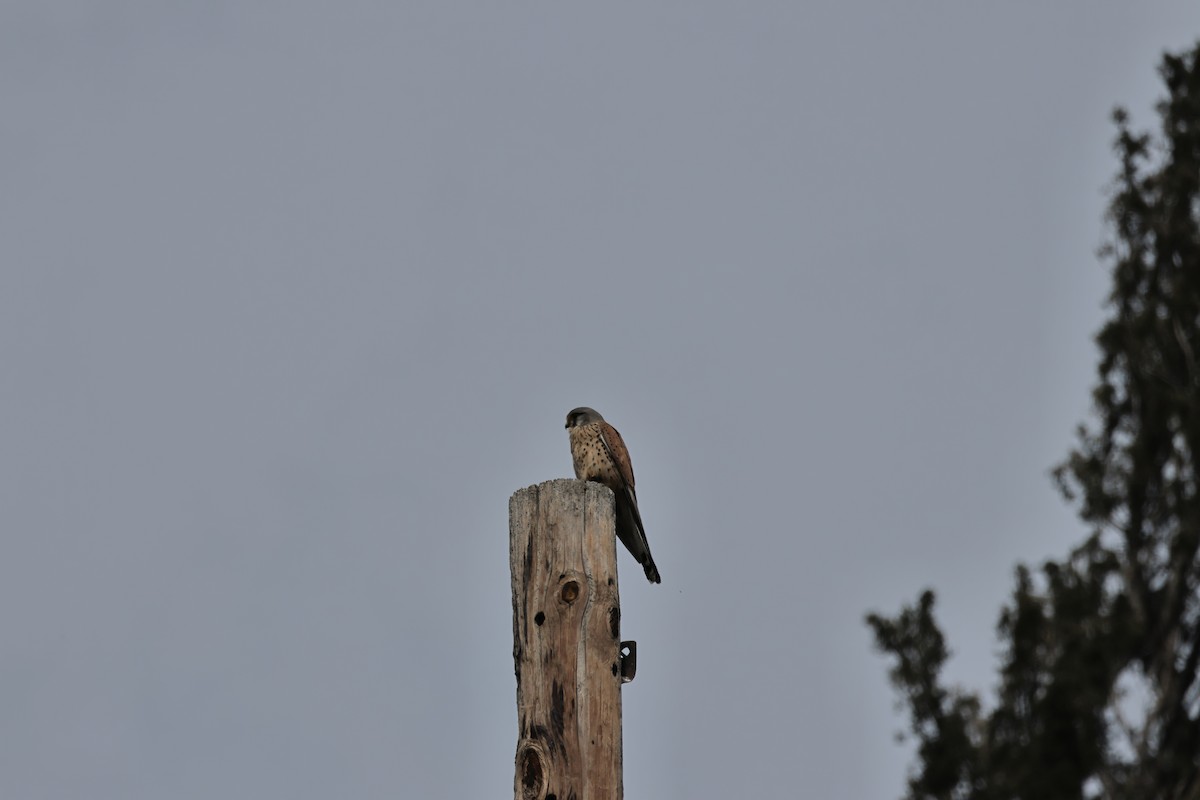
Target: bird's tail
column 652, row 571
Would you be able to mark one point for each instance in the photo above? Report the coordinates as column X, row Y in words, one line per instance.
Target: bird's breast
column 592, row 462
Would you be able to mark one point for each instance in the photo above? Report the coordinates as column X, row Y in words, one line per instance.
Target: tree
column 1098, row 688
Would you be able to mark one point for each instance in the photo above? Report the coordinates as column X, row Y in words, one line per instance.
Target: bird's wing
column 615, row 445
column 619, row 455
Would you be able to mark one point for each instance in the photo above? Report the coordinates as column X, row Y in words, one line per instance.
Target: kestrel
column 600, row 455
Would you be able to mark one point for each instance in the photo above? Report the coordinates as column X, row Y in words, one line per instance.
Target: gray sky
column 294, row 295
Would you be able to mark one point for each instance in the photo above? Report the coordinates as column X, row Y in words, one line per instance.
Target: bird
column 600, row 455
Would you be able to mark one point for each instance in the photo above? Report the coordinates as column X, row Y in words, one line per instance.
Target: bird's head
column 582, row 416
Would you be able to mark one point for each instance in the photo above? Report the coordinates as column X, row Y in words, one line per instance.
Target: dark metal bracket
column 628, row 661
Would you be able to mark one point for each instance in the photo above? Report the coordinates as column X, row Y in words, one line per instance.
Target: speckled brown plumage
column 600, row 455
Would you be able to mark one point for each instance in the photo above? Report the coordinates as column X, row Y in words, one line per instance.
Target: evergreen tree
column 1098, row 692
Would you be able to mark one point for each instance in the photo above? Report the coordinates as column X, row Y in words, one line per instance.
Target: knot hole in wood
column 532, row 772
column 570, row 592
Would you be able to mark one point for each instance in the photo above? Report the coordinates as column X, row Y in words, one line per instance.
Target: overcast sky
column 294, row 295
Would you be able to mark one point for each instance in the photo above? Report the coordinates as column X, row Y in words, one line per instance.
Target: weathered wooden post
column 566, row 642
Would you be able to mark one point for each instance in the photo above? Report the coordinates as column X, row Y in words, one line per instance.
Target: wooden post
column 566, row 641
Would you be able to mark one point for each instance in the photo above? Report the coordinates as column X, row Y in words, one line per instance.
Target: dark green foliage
column 1123, row 609
column 941, row 720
